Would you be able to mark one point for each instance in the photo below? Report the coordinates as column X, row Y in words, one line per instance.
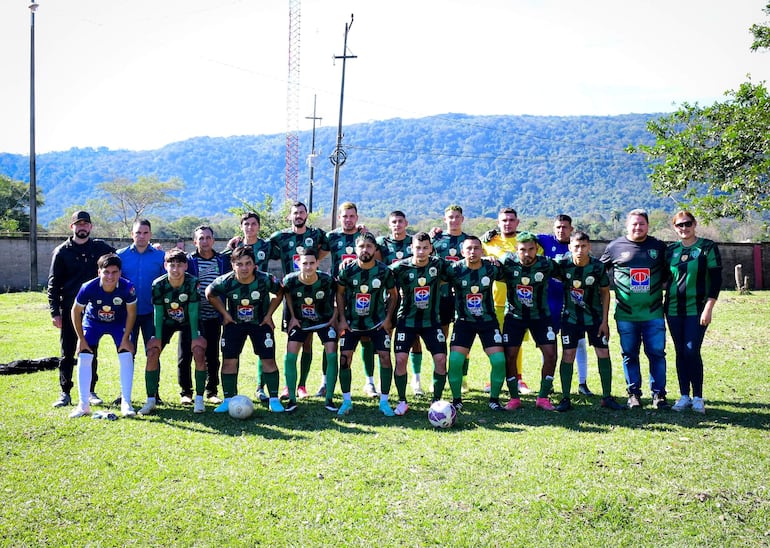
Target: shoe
column 495, row 406
column 127, row 410
column 682, row 403
column 523, row 388
column 291, row 407
column 199, row 407
column 584, row 390
column 465, row 385
column 659, row 402
column 386, row 409
column 302, row 392
column 457, row 403
column 488, row 388
column 223, row 407
column 544, row 404
column 284, row 393
column 698, row 405
column 321, row 391
column 261, row 396
column 513, row 404
column 610, row 403
column 80, row 411
column 564, row 405
column 185, row 400
column 216, row 400
column 370, row 390
column 93, row 399
column 416, row 388
column 148, row 407
column 276, row 406
column 345, row 408
column 634, row 402
column 117, row 401
column 63, row 401
column 329, row 406
column 401, row 408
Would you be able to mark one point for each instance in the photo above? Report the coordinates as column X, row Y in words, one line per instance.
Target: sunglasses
column 684, row 224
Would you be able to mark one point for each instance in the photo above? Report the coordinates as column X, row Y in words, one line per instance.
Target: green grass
column 586, row 478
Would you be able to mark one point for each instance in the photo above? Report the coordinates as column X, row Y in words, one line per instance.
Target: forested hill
column 541, row 165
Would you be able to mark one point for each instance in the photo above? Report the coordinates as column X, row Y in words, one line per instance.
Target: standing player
column 418, row 279
column 475, row 309
column 248, row 313
column 105, row 306
column 175, row 299
column 586, row 297
column 73, row 263
column 250, row 225
column 366, row 300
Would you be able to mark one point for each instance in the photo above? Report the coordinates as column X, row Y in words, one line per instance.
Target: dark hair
column 307, row 252
column 508, row 210
column 109, row 259
column 579, row 236
column 140, row 222
column 366, row 237
column 202, row 228
column 421, row 237
column 250, row 215
column 396, row 213
column 563, row 217
column 454, row 207
column 472, row 238
column 175, row 255
column 241, row 252
column 299, row 204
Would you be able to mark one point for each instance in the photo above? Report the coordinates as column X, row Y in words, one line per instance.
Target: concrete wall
column 15, row 268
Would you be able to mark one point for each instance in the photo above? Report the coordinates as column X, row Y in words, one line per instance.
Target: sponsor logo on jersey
column 577, row 295
column 525, row 294
column 295, row 262
column 363, row 303
column 422, row 297
column 640, row 280
column 106, row 314
column 452, row 258
column 245, row 313
column 473, row 302
column 308, row 312
column 176, row 313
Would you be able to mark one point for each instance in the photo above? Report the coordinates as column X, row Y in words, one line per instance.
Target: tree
column 761, row 33
column 14, row 205
column 132, row 200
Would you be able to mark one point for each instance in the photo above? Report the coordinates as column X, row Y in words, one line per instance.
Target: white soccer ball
column 442, row 414
column 241, row 407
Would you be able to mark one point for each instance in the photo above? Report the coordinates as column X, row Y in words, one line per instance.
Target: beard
column 365, row 257
column 82, row 233
column 300, row 222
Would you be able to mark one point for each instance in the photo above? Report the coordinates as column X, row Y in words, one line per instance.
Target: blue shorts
column 95, row 332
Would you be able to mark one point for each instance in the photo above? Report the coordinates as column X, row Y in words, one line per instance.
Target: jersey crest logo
column 363, row 303
column 422, row 297
column 525, row 294
column 640, row 280
column 473, row 302
column 577, row 295
column 245, row 313
column 653, row 253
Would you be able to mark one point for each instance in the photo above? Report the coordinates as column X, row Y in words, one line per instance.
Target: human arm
column 77, row 324
column 604, row 329
column 390, row 313
column 274, row 302
column 219, row 306
column 342, row 322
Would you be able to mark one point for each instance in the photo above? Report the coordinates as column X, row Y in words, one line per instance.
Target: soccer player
column 175, row 299
column 250, row 225
column 310, row 296
column 586, row 298
column 526, row 278
column 640, row 272
column 475, row 309
column 393, row 248
column 105, row 306
column 73, row 263
column 247, row 312
column 366, row 300
column 418, row 278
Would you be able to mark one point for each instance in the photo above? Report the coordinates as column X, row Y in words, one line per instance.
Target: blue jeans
column 653, row 334
column 687, row 334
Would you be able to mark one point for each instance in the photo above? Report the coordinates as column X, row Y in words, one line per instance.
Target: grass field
column 589, row 477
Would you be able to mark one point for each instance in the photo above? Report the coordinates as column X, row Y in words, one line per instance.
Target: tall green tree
column 14, row 205
column 132, row 200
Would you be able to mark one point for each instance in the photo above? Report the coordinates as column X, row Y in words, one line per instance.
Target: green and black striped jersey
column 392, row 250
column 176, row 301
column 341, row 247
column 527, row 287
column 365, row 294
column 285, row 246
column 696, row 276
column 582, row 290
column 419, row 289
column 312, row 304
column 473, row 291
column 246, row 303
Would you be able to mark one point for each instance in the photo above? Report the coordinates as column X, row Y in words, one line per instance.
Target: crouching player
column 366, row 300
column 248, row 314
column 475, row 315
column 175, row 301
column 586, row 311
column 105, row 306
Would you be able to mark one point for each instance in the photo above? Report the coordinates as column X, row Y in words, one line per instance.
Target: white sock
column 126, row 361
column 417, row 378
column 85, row 374
column 370, row 380
column 581, row 359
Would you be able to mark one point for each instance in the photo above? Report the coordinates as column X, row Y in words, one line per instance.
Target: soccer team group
column 390, row 296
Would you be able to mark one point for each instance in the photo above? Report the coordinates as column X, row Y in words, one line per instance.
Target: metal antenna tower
column 292, row 103
column 311, row 160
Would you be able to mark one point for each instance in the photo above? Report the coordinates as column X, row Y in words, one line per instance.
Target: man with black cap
column 72, row 264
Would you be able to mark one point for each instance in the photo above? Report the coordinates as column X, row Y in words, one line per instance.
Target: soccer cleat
column 457, row 403
column 80, row 411
column 584, row 390
column 148, row 407
column 93, row 399
column 127, row 410
column 523, row 388
column 610, row 403
column 634, row 402
column 370, row 390
column 698, row 405
column 302, row 392
column 321, row 391
column 544, row 404
column 659, row 401
column 564, row 405
column 401, row 408
column 488, row 388
column 276, row 406
column 495, row 406
column 682, row 403
column 329, row 406
column 213, row 398
column 223, row 407
column 417, row 388
column 261, row 396
column 386, row 409
column 185, row 400
column 285, row 393
column 513, row 403
column 291, row 407
column 63, row 401
column 345, row 408
column 199, row 406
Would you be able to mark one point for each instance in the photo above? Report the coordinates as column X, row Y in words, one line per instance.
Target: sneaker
column 223, row 407
column 302, row 392
column 698, row 405
column 401, row 408
column 261, row 396
column 584, row 390
column 199, row 407
column 329, row 406
column 345, row 408
column 291, row 407
column 465, row 385
column 513, row 404
column 321, row 391
column 63, row 401
column 386, row 409
column 523, row 388
column 488, row 388
column 416, row 388
column 634, row 402
column 659, row 401
column 285, row 393
column 214, row 399
column 495, row 406
column 93, row 399
column 148, row 407
column 80, row 411
column 276, row 406
column 564, row 405
column 457, row 403
column 186, row 400
column 610, row 403
column 682, row 403
column 544, row 404
column 370, row 390
column 127, row 410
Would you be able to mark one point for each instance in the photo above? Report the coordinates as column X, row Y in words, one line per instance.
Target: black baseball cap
column 81, row 216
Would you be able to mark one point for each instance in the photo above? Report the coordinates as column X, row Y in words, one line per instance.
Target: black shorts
column 433, row 337
column 380, row 339
column 234, row 337
column 326, row 334
column 571, row 335
column 542, row 331
column 168, row 330
column 464, row 333
column 446, row 308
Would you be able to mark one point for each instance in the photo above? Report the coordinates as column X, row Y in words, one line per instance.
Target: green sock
column 331, row 374
column 439, row 381
column 260, row 380
column 386, row 377
column 304, row 367
column 545, row 387
column 605, row 374
column 346, row 375
column 229, row 384
column 416, row 359
column 565, row 372
column 456, row 360
column 367, row 356
column 400, row 381
column 200, row 382
column 497, row 374
column 290, row 374
column 271, row 380
column 466, row 364
column 151, row 382
column 513, row 386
